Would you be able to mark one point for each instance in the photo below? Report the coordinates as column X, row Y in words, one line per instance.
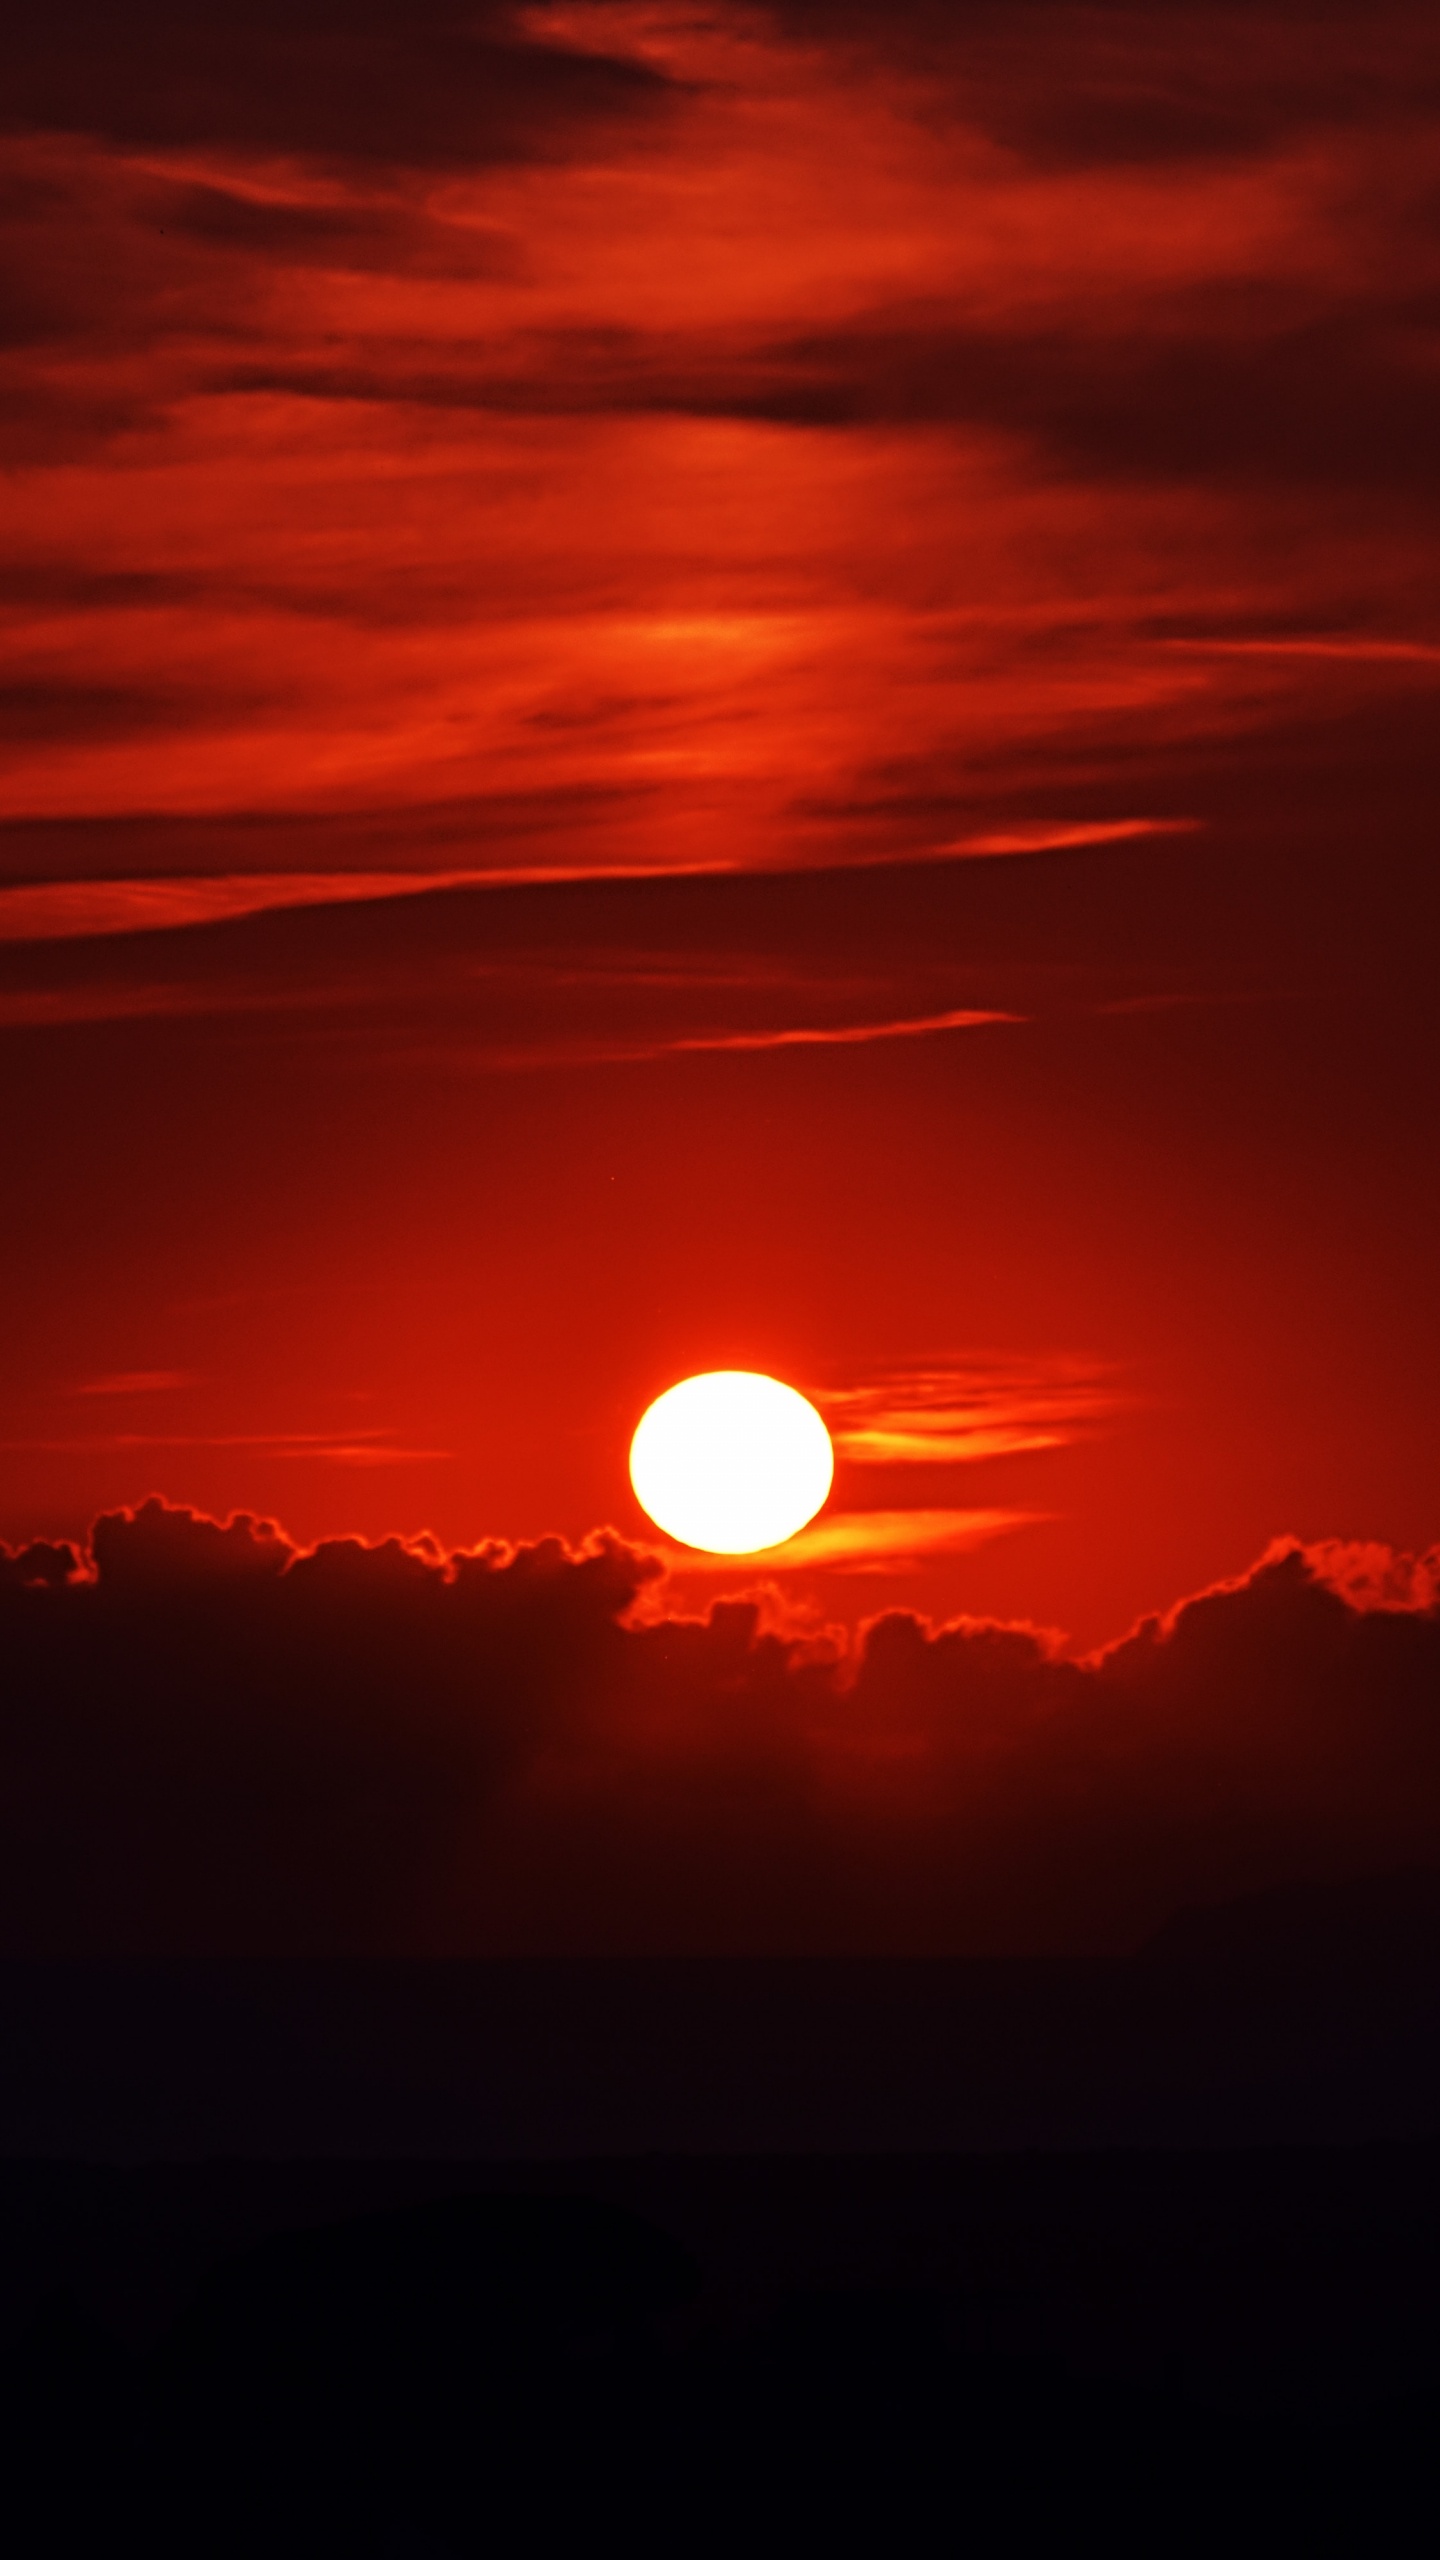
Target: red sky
column 894, row 553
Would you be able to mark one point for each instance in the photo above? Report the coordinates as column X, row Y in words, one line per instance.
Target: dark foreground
column 1141, row 2254
column 1183, row 2352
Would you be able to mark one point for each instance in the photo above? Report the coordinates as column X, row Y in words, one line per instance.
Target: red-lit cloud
column 213, row 1741
column 953, row 1414
column 502, row 417
column 858, row 1542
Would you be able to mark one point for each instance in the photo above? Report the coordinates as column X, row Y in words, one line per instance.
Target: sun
column 731, row 1462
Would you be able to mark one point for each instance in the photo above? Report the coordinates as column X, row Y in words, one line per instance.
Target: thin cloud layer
column 214, row 1741
column 503, row 413
column 856, row 1542
column 514, row 974
column 444, row 86
column 448, row 974
column 958, row 1413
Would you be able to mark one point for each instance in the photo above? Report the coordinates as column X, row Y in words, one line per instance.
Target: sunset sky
column 731, row 687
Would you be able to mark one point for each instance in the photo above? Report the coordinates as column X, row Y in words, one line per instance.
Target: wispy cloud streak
column 844, row 1035
column 859, row 1542
column 958, row 1413
column 353, row 1449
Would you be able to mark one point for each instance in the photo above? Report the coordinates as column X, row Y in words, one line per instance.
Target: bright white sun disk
column 732, row 1462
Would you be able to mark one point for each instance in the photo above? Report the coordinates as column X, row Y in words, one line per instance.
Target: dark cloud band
column 213, row 1742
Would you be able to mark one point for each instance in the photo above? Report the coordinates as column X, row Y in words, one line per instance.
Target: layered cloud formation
column 215, row 1742
column 614, row 434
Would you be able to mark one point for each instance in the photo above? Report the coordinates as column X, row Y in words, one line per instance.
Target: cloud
column 827, row 1035
column 1043, row 835
column 1208, row 389
column 1136, row 84
column 860, row 1542
column 437, row 86
column 953, row 1413
column 302, row 227
column 1358, row 648
column 491, row 972
column 214, row 1741
column 136, row 1382
column 1190, row 388
column 78, row 910
column 366, row 1448
column 466, row 974
column 409, row 389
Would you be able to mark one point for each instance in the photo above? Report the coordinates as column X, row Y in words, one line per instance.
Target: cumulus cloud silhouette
column 214, row 1742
